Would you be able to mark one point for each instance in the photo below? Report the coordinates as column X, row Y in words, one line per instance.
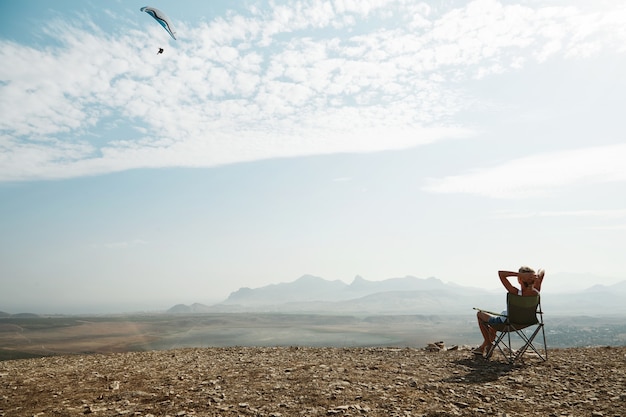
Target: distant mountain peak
column 309, row 288
column 306, row 288
column 359, row 281
column 404, row 295
column 617, row 287
column 185, row 309
column 308, row 279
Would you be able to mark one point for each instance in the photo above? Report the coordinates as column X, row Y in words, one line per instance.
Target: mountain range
column 407, row 295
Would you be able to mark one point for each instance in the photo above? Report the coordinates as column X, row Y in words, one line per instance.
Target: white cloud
column 537, row 175
column 298, row 79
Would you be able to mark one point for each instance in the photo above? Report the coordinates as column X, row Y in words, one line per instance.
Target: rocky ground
column 299, row 381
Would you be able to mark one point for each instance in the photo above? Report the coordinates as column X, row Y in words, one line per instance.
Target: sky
column 380, row 138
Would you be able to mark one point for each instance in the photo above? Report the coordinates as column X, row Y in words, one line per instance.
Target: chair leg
column 545, row 343
column 511, row 356
column 510, row 348
column 496, row 344
column 529, row 344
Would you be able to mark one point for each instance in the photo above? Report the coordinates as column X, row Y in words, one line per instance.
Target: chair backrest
column 522, row 309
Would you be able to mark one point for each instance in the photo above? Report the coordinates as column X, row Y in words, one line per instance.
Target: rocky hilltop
column 302, row 381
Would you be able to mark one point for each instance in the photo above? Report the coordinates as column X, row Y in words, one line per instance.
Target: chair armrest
column 491, row 312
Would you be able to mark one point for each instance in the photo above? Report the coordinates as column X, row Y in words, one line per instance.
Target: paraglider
column 163, row 20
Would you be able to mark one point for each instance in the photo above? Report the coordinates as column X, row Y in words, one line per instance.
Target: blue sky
column 333, row 138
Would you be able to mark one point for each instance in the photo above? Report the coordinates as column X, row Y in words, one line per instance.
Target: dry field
column 299, row 381
column 43, row 336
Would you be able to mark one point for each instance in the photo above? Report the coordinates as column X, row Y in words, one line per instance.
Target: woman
column 530, row 285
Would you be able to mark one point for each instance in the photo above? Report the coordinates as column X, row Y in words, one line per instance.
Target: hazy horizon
column 383, row 139
column 98, row 305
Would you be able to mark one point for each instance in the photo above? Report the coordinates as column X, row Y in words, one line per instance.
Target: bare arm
column 504, row 275
column 539, row 279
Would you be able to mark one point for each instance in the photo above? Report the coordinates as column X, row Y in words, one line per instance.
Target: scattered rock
column 432, row 347
column 277, row 382
column 440, row 346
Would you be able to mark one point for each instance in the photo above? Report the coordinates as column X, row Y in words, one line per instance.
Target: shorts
column 496, row 320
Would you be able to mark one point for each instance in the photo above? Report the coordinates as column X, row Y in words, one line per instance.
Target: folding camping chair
column 522, row 312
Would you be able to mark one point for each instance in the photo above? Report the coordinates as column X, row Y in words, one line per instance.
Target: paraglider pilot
column 163, row 20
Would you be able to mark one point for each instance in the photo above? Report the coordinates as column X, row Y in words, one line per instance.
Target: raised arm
column 504, row 277
column 539, row 279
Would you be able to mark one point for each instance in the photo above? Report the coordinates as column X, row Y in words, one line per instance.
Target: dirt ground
column 301, row 381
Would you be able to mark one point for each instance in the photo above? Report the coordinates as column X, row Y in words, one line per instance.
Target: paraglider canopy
column 160, row 17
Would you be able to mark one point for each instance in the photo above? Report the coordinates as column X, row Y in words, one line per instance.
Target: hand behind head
column 527, row 278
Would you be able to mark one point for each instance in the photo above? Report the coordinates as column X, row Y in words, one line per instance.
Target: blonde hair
column 526, row 269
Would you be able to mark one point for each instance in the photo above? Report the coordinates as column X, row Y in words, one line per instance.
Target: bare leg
column 489, row 334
